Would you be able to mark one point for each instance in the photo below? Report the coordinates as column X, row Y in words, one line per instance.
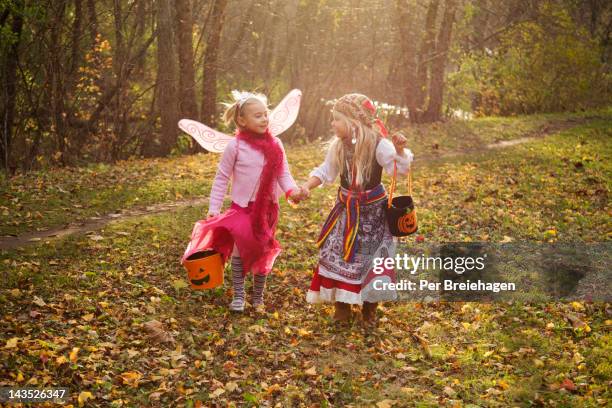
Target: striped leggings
column 259, row 283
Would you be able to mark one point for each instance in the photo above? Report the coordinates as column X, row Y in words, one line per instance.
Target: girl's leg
column 342, row 312
column 368, row 313
column 259, row 285
column 237, row 304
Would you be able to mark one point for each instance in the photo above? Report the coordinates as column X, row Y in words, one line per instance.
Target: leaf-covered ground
column 46, row 199
column 77, row 312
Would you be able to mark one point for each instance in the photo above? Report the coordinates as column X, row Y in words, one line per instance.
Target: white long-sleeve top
column 385, row 156
column 243, row 165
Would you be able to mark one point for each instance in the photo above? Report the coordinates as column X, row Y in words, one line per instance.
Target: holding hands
column 299, row 194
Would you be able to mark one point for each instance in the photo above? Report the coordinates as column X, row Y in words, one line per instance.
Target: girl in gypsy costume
column 356, row 230
column 255, row 161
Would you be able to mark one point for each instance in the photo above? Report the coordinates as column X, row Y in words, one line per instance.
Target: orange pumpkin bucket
column 204, row 269
column 401, row 215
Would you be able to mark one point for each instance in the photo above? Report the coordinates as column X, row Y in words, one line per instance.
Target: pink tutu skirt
column 233, row 227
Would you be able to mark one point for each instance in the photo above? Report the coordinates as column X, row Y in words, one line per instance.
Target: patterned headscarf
column 359, row 107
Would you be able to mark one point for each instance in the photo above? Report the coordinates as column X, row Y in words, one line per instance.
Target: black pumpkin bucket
column 401, row 215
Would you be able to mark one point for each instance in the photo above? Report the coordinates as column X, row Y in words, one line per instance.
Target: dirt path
column 543, row 131
column 95, row 223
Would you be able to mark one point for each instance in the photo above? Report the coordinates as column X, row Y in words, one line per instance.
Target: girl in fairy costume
column 256, row 164
column 356, row 230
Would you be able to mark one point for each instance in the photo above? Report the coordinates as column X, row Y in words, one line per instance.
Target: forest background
column 89, row 81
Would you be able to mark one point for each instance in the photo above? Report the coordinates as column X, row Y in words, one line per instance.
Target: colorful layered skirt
column 355, row 281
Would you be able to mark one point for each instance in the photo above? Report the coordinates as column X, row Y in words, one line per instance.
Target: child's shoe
column 259, row 308
column 368, row 314
column 237, row 305
column 342, row 313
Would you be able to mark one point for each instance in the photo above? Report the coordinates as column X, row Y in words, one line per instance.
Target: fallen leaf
column 311, row 371
column 156, row 332
column 38, row 301
column 231, row 386
column 568, row 385
column 131, row 378
column 11, row 343
column 304, row 332
column 577, row 323
column 73, row 354
column 179, row 284
column 424, row 343
column 84, row 396
column 217, row 392
column 503, row 384
column 386, row 403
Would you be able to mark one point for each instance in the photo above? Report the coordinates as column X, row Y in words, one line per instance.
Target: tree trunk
column 209, row 84
column 408, row 56
column 93, row 20
column 436, row 87
column 167, row 84
column 141, row 24
column 8, row 78
column 75, row 57
column 426, row 50
column 270, row 45
column 58, row 92
column 187, row 96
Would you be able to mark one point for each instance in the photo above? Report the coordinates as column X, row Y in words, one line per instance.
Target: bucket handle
column 394, row 181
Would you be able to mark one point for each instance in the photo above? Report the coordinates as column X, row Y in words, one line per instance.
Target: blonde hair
column 236, row 108
column 365, row 148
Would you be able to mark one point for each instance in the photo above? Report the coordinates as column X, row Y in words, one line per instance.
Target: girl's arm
column 312, row 182
column 326, row 173
column 387, row 153
column 222, row 178
column 286, row 181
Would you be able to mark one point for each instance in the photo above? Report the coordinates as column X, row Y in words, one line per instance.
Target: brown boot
column 368, row 314
column 342, row 313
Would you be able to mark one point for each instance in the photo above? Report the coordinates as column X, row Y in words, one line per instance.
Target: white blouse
column 385, row 156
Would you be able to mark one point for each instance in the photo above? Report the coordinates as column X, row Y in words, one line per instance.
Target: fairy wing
column 210, row 139
column 281, row 119
column 285, row 113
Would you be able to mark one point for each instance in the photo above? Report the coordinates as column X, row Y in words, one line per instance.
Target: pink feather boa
column 264, row 215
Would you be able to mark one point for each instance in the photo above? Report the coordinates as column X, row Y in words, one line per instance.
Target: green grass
column 50, row 198
column 41, row 200
column 560, row 184
column 456, row 135
column 97, row 293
